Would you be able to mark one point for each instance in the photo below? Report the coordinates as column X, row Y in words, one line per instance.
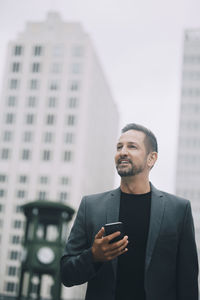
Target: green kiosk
column 45, row 237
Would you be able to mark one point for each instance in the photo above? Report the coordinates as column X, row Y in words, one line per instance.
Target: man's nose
column 124, row 151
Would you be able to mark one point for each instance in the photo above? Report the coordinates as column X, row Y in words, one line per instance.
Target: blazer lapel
column 112, row 209
column 156, row 215
column 112, row 215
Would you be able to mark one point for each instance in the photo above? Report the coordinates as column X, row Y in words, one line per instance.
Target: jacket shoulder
column 97, row 196
column 175, row 199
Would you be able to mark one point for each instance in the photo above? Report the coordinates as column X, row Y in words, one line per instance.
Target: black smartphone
column 113, row 227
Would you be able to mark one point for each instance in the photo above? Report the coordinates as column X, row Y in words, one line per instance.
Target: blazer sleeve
column 187, row 261
column 77, row 264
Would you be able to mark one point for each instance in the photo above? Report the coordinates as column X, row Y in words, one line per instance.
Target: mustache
column 125, row 158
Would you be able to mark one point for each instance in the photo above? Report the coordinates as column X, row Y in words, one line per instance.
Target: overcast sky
column 140, row 45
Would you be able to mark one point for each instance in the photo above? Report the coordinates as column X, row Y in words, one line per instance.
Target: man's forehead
column 132, row 136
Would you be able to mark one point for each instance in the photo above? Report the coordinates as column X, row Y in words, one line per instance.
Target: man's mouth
column 123, row 162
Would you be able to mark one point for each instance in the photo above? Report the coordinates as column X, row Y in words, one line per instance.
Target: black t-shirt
column 135, row 214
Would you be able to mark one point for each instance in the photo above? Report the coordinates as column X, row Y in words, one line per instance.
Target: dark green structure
column 45, row 237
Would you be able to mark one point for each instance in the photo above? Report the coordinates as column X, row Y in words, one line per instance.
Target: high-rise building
column 58, row 129
column 188, row 160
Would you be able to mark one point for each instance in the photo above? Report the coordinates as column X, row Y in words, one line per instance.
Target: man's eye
column 119, row 147
column 132, row 146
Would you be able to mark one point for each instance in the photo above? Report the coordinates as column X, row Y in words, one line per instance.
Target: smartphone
column 113, row 227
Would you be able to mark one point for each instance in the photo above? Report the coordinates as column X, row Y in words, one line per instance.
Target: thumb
column 100, row 234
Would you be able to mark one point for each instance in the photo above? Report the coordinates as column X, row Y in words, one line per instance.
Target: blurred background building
column 58, row 129
column 188, row 160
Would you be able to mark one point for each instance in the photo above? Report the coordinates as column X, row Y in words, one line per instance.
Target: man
column 157, row 258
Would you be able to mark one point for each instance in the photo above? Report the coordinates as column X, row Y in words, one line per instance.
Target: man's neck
column 133, row 185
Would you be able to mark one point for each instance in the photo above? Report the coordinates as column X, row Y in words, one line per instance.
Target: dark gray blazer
column 171, row 265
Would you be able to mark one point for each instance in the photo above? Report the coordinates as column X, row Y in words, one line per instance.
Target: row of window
column 56, row 68
column 32, row 101
column 40, row 195
column 189, row 142
column 191, row 92
column 30, row 119
column 190, row 108
column 57, row 50
column 191, row 75
column 26, row 154
column 48, row 137
column 189, row 159
column 190, row 125
column 34, row 84
column 191, row 59
column 64, row 180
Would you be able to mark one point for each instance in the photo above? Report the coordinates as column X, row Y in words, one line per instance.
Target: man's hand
column 102, row 250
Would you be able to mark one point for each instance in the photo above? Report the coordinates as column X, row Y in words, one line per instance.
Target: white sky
column 139, row 44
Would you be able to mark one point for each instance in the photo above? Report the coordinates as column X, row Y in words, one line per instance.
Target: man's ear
column 152, row 157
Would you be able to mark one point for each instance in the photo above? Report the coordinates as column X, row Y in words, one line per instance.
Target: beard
column 129, row 170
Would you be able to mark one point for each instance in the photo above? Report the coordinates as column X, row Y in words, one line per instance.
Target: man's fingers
column 100, row 234
column 118, row 244
column 110, row 237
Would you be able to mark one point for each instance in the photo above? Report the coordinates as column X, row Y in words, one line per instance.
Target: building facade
column 58, row 130
column 188, row 160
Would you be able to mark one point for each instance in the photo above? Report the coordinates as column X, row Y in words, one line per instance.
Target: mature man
column 157, row 258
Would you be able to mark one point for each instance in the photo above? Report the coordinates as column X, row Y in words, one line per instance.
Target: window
column 15, row 239
column 31, row 101
column 64, row 180
column 58, row 51
column 37, row 50
column 10, row 287
column 7, row 136
column 3, row 178
column 46, row 155
column 71, row 120
column 12, row 101
column 18, row 209
column 10, row 118
column 50, row 120
column 23, row 179
column 14, row 84
column 16, row 66
column 48, row 137
column 54, row 85
column 14, row 255
column 1, row 208
column 34, row 84
column 44, row 179
column 52, row 101
column 74, row 86
column 56, row 68
column 17, row 224
column 18, row 50
column 21, row 194
column 30, row 118
column 69, row 138
column 2, row 193
column 5, row 153
column 36, row 67
column 12, row 271
column 76, row 68
column 42, row 195
column 63, row 196
column 26, row 154
column 67, row 156
column 73, row 102
column 28, row 136
column 78, row 51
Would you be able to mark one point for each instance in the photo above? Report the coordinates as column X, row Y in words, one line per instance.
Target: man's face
column 131, row 155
